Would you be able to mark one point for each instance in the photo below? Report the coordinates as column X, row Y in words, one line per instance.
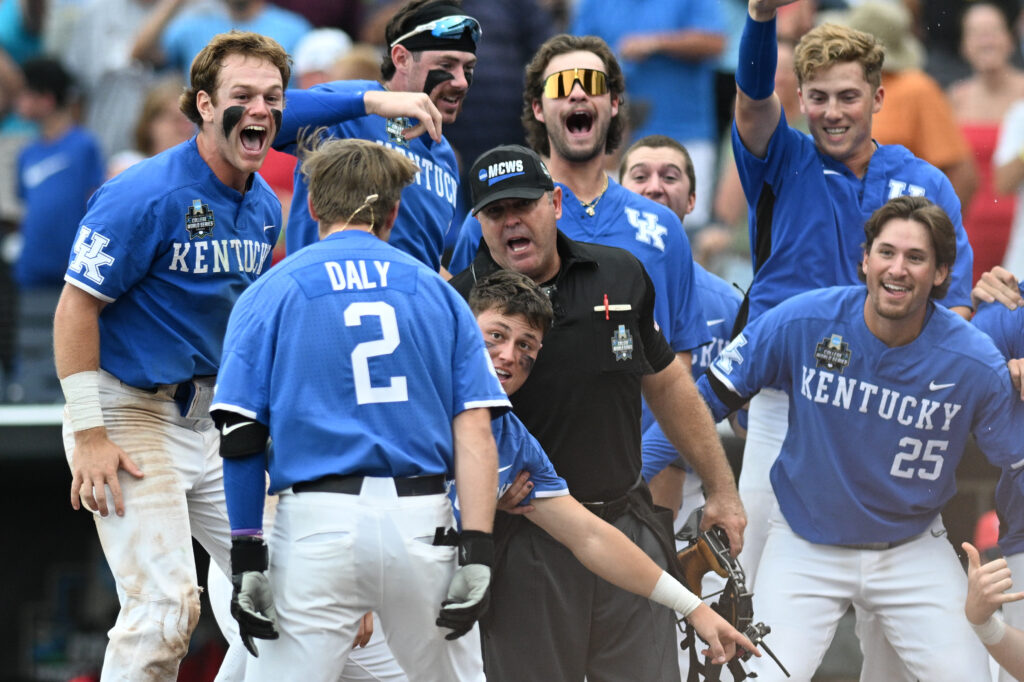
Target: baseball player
column 1006, row 329
column 333, row 355
column 432, row 50
column 986, row 591
column 857, row 519
column 574, row 88
column 163, row 252
column 808, row 198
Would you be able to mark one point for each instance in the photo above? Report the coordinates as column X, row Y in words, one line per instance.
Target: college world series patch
column 199, row 220
column 833, row 353
column 622, row 343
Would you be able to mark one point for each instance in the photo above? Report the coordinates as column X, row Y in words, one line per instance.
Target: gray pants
column 552, row 619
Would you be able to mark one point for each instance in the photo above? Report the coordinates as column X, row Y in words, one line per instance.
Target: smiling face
column 241, row 118
column 513, row 344
column 900, row 270
column 521, row 234
column 660, row 174
column 839, row 102
column 577, row 125
column 413, row 70
column 987, row 43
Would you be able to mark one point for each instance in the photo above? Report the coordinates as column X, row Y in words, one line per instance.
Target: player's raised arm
column 95, row 460
column 757, row 106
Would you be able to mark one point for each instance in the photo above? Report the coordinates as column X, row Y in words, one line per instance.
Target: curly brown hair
column 830, row 44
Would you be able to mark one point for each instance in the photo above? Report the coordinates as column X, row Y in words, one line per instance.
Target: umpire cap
column 508, row 171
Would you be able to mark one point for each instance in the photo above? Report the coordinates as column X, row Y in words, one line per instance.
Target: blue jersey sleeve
column 243, row 383
column 321, row 105
column 1004, row 326
column 466, row 245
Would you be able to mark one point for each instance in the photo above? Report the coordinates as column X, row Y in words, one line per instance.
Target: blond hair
column 353, row 181
column 830, row 44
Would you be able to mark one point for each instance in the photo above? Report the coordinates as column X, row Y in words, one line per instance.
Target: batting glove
column 469, row 591
column 252, row 602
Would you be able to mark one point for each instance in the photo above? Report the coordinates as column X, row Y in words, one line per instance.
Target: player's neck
column 858, row 161
column 56, row 125
column 221, row 167
column 586, row 179
column 894, row 332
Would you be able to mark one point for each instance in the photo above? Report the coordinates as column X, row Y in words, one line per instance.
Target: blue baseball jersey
column 55, row 180
column 428, row 204
column 357, row 357
column 519, row 451
column 807, row 213
column 1006, row 329
column 170, row 248
column 875, row 433
column 720, row 302
column 649, row 231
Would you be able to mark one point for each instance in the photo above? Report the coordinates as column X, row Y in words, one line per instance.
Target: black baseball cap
column 508, row 171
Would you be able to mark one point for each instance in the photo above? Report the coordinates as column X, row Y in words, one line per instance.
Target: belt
column 351, row 485
column 881, row 546
column 181, row 391
column 609, row 511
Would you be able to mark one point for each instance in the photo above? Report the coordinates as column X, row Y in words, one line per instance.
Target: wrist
column 82, row 400
column 476, row 547
column 248, row 553
column 991, row 631
column 670, row 592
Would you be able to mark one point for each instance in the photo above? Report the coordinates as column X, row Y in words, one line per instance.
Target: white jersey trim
column 1017, row 465
column 473, row 404
column 227, row 407
column 87, row 289
column 553, row 493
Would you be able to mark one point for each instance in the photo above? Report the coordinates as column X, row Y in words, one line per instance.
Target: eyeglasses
column 450, row 28
column 560, row 83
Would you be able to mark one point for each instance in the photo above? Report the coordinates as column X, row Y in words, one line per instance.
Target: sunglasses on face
column 450, row 28
column 560, row 83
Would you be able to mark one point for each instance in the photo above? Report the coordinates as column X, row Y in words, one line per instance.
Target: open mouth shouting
column 253, row 137
column 579, row 123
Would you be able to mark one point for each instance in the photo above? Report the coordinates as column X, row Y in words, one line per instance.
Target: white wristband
column 671, row 593
column 82, row 396
column 991, row 631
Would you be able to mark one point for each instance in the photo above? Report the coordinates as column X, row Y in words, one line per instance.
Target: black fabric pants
column 552, row 619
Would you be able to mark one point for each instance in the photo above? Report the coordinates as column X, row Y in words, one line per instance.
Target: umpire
column 582, row 402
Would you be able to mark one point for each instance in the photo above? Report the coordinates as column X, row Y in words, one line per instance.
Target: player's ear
column 204, row 103
column 312, row 211
column 538, row 110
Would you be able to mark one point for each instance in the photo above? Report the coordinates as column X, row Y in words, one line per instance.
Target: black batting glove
column 252, row 602
column 469, row 590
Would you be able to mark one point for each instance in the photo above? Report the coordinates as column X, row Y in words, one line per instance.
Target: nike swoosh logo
column 226, row 429
column 936, row 387
column 268, row 227
column 712, row 323
column 938, row 533
column 506, row 468
column 830, row 172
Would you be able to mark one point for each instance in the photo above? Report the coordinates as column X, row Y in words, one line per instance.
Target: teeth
column 895, row 288
column 256, row 128
column 835, row 131
column 502, row 373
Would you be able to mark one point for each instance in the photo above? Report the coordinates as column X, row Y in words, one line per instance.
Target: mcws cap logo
column 502, row 170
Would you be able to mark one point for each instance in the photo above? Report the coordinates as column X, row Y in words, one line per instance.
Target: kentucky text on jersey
column 836, row 390
column 432, row 177
column 218, row 255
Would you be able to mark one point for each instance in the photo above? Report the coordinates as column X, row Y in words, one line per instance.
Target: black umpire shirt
column 582, row 399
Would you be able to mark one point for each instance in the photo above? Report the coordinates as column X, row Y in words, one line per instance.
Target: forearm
column 307, row 110
column 76, row 332
column 1009, row 652
column 685, row 44
column 245, row 492
column 147, row 41
column 476, row 468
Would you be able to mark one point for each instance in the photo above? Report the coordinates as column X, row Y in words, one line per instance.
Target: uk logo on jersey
column 89, row 255
column 731, row 354
column 898, row 188
column 648, row 229
column 622, row 343
column 833, row 353
column 199, row 220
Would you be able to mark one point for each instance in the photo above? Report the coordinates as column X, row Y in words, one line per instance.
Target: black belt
column 609, row 511
column 880, row 546
column 351, row 485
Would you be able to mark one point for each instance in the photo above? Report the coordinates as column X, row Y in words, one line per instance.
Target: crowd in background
column 88, row 87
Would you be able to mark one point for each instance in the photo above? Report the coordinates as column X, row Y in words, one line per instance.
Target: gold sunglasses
column 560, row 83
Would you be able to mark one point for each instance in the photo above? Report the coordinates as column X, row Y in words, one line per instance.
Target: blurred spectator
column 939, row 28
column 346, row 15
column 161, row 125
column 917, row 113
column 315, row 54
column 361, row 63
column 668, row 52
column 1008, row 176
column 21, row 25
column 170, row 38
column 56, row 176
column 979, row 103
column 95, row 45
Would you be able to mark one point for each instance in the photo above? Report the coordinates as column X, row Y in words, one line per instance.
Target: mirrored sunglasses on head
column 446, row 27
column 560, row 83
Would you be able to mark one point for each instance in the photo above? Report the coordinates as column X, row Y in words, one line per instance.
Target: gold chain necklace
column 589, row 206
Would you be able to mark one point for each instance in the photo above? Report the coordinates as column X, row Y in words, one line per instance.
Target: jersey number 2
column 396, row 391
column 931, row 460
